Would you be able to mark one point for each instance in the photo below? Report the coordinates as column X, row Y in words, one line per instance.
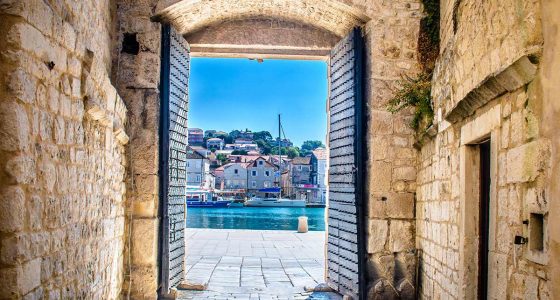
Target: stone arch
column 187, row 16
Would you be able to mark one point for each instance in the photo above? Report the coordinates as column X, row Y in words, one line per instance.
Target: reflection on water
column 258, row 218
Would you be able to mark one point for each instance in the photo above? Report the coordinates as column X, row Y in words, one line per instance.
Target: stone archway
column 299, row 22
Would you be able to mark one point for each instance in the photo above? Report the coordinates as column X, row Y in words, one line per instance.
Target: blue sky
column 227, row 94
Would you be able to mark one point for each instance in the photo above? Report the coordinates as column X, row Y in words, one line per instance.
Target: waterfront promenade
column 254, row 264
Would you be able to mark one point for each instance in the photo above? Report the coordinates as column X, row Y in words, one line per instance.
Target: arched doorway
column 341, row 45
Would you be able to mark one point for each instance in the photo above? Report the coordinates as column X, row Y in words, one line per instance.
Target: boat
column 191, row 203
column 204, row 198
column 236, row 204
column 274, row 202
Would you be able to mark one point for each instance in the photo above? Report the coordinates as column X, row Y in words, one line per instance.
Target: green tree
column 264, row 146
column 239, row 152
column 292, row 152
column 222, row 158
column 309, row 146
column 262, row 135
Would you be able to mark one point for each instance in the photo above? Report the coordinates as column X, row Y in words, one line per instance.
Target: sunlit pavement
column 255, row 264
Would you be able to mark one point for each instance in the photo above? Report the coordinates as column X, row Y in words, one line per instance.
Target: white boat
column 275, row 202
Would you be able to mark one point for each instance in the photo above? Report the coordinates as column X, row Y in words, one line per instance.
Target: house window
column 236, row 171
column 299, row 168
column 253, row 173
column 197, row 178
column 188, row 164
column 261, row 162
column 267, row 173
column 254, row 184
column 267, row 184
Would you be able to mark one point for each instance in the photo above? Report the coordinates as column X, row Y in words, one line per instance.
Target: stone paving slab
column 255, row 264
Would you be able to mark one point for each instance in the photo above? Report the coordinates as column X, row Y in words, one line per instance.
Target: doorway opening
column 484, row 218
column 256, row 166
column 344, row 257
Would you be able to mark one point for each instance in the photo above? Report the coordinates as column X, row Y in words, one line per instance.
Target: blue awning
column 270, row 190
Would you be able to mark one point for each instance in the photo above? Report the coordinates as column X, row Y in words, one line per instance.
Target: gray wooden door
column 345, row 246
column 173, row 141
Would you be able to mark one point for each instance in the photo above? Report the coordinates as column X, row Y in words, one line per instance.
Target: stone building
column 79, row 140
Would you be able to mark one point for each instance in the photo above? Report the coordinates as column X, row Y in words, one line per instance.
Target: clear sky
column 228, row 94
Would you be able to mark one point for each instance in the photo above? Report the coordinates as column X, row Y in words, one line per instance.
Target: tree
column 262, row 135
column 222, row 158
column 264, row 146
column 239, row 152
column 292, row 152
column 309, row 146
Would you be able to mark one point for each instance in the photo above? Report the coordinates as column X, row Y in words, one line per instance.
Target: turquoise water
column 257, row 218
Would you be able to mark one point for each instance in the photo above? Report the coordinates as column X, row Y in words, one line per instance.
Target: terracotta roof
column 193, row 154
column 301, row 160
column 320, row 153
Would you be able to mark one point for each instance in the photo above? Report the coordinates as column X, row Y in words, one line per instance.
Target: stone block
column 401, row 236
column 392, row 205
column 29, row 276
column 377, row 235
column 23, row 86
column 381, row 122
column 144, row 239
column 14, row 127
column 404, row 173
column 21, row 169
column 526, row 162
column 12, row 209
column 381, row 174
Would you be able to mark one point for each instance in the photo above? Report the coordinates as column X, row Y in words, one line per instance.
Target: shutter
column 173, row 142
column 345, row 245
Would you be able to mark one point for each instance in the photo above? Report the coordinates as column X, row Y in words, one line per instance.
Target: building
column 319, row 172
column 215, row 143
column 261, row 174
column 247, row 135
column 196, row 136
column 198, row 169
column 243, row 141
column 302, row 185
column 283, row 143
column 235, row 176
column 301, row 170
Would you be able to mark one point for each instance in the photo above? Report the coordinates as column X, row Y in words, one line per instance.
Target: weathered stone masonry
column 486, row 84
column 74, row 191
column 61, row 152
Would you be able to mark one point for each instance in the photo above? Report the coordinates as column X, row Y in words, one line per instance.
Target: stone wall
column 391, row 43
column 136, row 75
column 61, row 152
column 485, row 85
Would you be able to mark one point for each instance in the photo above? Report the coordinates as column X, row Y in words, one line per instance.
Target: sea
column 256, row 218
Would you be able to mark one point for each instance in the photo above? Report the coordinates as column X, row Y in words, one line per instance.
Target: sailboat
column 276, row 201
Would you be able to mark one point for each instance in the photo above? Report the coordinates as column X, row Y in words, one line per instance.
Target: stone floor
column 251, row 264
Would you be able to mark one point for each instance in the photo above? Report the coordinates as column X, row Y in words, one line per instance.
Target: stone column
column 391, row 45
column 136, row 73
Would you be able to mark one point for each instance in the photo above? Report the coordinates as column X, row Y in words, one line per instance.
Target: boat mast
column 279, row 156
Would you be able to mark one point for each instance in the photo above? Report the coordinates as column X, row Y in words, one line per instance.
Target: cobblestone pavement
column 251, row 264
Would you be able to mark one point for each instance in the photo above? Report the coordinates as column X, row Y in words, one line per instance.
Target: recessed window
column 267, row 173
column 254, row 184
column 536, row 233
column 254, row 173
column 261, row 162
column 235, row 171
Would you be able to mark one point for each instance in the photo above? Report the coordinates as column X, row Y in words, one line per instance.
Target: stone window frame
column 484, row 127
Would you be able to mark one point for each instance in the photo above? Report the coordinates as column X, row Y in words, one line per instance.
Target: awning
column 270, row 190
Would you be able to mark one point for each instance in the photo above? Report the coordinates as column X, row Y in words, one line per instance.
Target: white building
column 235, row 176
column 215, row 143
column 198, row 170
column 319, row 162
